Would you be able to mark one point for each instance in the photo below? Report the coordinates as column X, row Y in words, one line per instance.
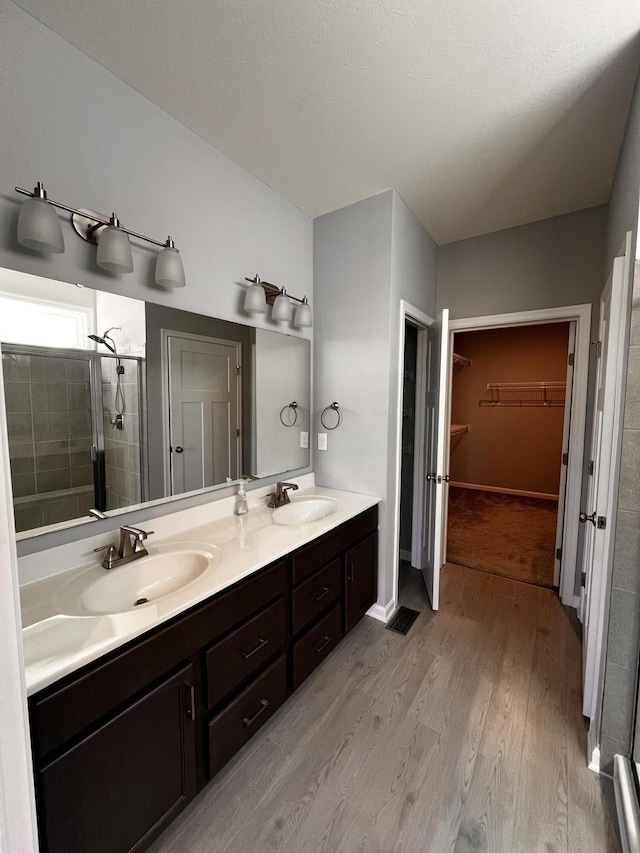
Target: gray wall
column 623, row 637
column 367, row 257
column 97, row 143
column 547, row 264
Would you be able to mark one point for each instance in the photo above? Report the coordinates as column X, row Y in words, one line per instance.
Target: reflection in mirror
column 112, row 402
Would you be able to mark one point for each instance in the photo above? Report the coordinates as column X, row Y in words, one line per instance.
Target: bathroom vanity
column 123, row 743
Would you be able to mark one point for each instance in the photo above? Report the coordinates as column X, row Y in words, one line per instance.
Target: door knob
column 431, row 478
column 179, row 449
column 445, row 478
column 584, row 518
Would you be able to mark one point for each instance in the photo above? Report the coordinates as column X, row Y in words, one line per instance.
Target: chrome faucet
column 281, row 495
column 131, row 547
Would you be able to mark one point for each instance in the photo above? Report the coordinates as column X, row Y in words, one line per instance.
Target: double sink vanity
column 146, row 679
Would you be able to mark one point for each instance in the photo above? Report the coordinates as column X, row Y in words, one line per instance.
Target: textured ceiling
column 483, row 114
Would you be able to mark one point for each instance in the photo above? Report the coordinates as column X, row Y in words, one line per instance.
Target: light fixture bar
column 99, row 220
column 271, row 290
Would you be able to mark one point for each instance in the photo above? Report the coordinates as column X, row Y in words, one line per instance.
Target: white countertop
column 60, row 636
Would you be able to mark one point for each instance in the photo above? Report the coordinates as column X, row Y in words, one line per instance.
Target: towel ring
column 336, row 409
column 292, row 407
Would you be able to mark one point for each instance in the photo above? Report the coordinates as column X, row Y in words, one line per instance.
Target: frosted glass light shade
column 169, row 269
column 282, row 309
column 255, row 301
column 39, row 227
column 303, row 315
column 114, row 251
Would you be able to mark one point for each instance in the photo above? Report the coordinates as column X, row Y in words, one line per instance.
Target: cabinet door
column 118, row 788
column 360, row 580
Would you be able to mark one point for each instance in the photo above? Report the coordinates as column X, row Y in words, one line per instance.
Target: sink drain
column 141, row 601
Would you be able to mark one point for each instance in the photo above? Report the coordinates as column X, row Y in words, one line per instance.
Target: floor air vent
column 403, row 620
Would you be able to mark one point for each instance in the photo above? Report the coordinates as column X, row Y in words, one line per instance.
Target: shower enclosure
column 66, row 451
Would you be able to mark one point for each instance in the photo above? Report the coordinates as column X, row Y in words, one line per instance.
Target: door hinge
column 565, row 458
column 572, row 358
column 583, row 579
column 238, row 369
column 602, row 522
column 598, row 346
column 237, row 433
column 558, row 553
column 591, row 468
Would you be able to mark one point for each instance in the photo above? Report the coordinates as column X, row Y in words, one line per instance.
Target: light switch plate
column 322, row 441
column 304, row 438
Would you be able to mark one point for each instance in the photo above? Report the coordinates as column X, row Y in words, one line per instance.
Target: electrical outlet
column 304, row 439
column 322, row 441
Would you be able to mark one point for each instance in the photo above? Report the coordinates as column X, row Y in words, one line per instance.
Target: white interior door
column 599, row 512
column 564, row 465
column 204, row 412
column 436, row 446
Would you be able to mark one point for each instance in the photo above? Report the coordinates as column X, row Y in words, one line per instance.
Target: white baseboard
column 382, row 612
column 405, row 555
column 499, row 490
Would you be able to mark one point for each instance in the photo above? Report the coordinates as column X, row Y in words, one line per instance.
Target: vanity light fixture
column 39, row 229
column 262, row 293
column 38, row 226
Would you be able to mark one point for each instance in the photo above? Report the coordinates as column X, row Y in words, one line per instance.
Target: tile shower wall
column 121, row 447
column 623, row 639
column 50, row 436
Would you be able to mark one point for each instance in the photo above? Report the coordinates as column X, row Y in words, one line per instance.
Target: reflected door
column 204, row 411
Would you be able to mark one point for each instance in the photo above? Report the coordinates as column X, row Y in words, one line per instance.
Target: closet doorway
column 510, row 429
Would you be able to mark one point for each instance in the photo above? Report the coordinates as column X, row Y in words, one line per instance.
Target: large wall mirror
column 112, row 402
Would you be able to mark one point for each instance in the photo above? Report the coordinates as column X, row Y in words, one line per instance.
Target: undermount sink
column 148, row 579
column 305, row 509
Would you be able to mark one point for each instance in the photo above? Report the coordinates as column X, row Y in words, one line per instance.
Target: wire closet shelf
column 525, row 394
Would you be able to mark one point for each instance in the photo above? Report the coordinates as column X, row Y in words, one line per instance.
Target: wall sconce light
column 261, row 293
column 39, row 229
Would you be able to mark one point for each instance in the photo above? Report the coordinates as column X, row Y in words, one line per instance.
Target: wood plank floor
column 464, row 736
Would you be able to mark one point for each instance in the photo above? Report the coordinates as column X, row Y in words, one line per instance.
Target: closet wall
column 509, row 447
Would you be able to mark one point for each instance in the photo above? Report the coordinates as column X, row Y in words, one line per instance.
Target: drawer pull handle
column 323, row 642
column 350, row 572
column 250, row 720
column 261, row 643
column 324, row 591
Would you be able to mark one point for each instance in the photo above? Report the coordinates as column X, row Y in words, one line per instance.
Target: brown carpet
column 502, row 534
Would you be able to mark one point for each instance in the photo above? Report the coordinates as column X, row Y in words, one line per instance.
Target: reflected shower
column 106, row 337
column 118, row 421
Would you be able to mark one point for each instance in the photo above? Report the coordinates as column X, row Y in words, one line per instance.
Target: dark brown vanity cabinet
column 118, row 787
column 122, row 745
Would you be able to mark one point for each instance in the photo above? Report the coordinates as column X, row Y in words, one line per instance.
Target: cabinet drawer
column 316, row 644
column 243, row 652
column 315, row 595
column 232, row 727
column 328, row 547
